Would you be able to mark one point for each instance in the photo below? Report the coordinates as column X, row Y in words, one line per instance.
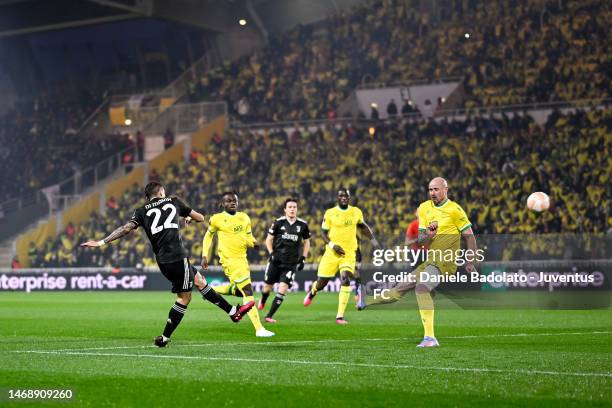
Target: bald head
column 439, row 181
column 438, row 190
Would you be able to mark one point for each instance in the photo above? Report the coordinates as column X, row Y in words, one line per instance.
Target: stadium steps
column 7, row 251
column 8, row 248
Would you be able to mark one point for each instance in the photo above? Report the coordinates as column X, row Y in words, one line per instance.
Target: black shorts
column 180, row 274
column 279, row 273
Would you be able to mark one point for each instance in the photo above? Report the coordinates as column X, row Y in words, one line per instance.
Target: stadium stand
column 517, row 52
column 40, row 145
column 308, row 72
column 492, row 164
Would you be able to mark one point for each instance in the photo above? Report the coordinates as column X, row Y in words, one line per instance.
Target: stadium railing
column 422, row 81
column 34, row 205
column 80, row 182
column 21, row 212
column 482, row 110
column 578, row 103
column 311, row 122
column 185, row 117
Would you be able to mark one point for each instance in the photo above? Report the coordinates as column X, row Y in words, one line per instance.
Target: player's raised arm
column 187, row 212
column 195, row 216
column 116, row 234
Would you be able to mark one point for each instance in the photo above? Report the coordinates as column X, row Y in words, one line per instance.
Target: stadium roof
column 29, row 16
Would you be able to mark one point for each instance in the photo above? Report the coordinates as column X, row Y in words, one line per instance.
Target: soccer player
column 285, row 237
column 441, row 224
column 233, row 229
column 400, row 288
column 160, row 219
column 339, row 230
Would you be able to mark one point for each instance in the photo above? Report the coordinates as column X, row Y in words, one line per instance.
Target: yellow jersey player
column 233, row 230
column 339, row 230
column 442, row 222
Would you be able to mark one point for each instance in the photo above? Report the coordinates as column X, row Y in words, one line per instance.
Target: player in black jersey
column 160, row 220
column 285, row 238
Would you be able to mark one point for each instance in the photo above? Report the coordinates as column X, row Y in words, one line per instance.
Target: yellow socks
column 426, row 309
column 343, row 298
column 253, row 314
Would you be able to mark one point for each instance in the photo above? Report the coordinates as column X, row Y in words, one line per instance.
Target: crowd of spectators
column 506, row 51
column 492, row 165
column 39, row 144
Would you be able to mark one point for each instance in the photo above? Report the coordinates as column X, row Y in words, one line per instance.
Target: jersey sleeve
column 422, row 218
column 460, row 219
column 212, row 224
column 208, row 237
column 325, row 225
column 359, row 216
column 273, row 230
column 137, row 218
column 305, row 232
column 183, row 209
column 249, row 233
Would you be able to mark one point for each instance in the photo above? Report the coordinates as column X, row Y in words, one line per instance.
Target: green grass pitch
column 99, row 346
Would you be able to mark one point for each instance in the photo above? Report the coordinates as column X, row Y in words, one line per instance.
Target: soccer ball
column 538, row 201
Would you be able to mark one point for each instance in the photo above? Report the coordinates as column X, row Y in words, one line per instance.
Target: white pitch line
column 336, row 363
column 529, row 334
column 267, row 343
column 222, row 343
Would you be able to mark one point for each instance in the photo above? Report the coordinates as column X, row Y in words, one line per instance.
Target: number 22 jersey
column 160, row 220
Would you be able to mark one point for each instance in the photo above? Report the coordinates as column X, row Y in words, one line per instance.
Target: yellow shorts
column 238, row 272
column 331, row 263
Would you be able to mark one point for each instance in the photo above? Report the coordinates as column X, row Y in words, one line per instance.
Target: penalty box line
column 289, row 342
column 334, row 364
